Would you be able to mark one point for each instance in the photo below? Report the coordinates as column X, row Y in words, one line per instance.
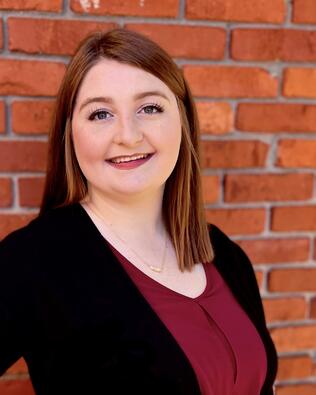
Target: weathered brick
column 300, row 82
column 32, row 5
column 2, row 117
column 276, row 250
column 169, row 8
column 9, row 223
column 296, row 389
column 294, row 338
column 273, row 44
column 30, row 77
column 230, row 81
column 276, row 117
column 25, row 34
column 292, row 280
column 32, row 116
column 23, row 155
column 296, row 153
column 31, row 191
column 5, row 192
column 187, row 41
column 215, row 117
column 233, row 154
column 1, row 34
column 313, row 308
column 259, row 277
column 238, row 221
column 269, row 11
column 267, row 187
column 284, row 309
column 294, row 367
column 211, row 188
column 304, row 11
column 293, row 218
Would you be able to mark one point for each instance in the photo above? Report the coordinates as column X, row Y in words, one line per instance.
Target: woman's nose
column 128, row 132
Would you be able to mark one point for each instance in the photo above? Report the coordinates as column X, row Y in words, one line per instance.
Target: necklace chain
column 154, row 268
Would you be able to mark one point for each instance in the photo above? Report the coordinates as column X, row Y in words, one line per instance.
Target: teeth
column 128, row 159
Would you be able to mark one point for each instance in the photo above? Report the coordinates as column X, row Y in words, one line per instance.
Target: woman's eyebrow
column 104, row 99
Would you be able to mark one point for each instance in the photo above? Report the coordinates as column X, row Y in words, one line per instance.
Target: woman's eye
column 152, row 109
column 98, row 115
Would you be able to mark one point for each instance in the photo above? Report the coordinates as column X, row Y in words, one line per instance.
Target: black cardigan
column 70, row 310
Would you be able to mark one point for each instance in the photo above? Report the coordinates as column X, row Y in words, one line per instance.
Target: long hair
column 183, row 211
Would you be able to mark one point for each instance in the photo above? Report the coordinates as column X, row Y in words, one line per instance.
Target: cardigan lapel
column 142, row 325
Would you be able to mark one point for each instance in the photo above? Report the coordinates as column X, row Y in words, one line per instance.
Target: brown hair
column 183, row 211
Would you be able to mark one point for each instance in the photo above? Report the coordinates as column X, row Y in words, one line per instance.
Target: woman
column 120, row 284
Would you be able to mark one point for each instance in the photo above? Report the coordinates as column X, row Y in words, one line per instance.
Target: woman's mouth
column 126, row 163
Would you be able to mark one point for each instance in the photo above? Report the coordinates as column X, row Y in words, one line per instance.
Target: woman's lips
column 131, row 164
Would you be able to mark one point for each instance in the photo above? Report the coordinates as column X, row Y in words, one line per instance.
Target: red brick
column 268, row 187
column 211, row 188
column 270, row 11
column 313, row 308
column 233, row 154
column 230, row 81
column 259, row 277
column 1, row 34
column 294, row 367
column 25, row 34
column 11, row 222
column 273, row 44
column 300, row 389
column 32, row 5
column 284, row 309
column 296, row 153
column 2, row 117
column 215, row 117
column 292, row 280
column 32, row 116
column 304, row 11
column 28, row 77
column 300, row 82
column 238, row 221
column 187, row 41
column 30, row 191
column 293, row 218
column 23, row 155
column 294, row 338
column 276, row 250
column 5, row 192
column 276, row 117
column 169, row 8
column 18, row 368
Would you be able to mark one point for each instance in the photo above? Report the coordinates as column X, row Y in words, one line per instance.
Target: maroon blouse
column 217, row 336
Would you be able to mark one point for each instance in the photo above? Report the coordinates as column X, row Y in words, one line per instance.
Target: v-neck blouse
column 221, row 343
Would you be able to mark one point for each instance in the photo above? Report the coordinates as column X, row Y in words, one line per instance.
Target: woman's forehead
column 114, row 79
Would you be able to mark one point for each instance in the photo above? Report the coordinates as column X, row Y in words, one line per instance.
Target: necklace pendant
column 155, row 268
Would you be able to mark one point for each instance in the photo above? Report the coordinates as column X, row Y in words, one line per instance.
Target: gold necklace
column 156, row 269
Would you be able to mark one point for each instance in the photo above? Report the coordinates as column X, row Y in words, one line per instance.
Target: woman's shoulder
column 219, row 239
column 227, row 250
column 237, row 270
column 54, row 224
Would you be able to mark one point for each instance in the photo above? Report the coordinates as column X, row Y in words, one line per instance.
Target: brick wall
column 251, row 66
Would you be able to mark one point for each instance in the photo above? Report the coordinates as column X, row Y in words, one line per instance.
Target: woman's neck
column 132, row 218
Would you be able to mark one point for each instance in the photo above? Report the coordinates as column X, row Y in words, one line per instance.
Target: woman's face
column 121, row 111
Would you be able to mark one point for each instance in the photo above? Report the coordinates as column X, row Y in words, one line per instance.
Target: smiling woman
column 120, row 285
column 126, row 113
